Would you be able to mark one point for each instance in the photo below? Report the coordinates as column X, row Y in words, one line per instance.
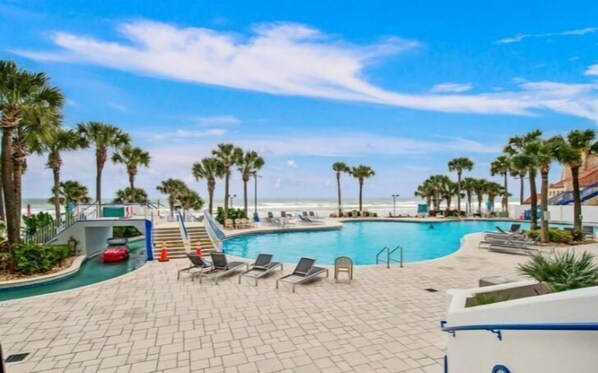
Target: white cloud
column 118, row 107
column 451, row 87
column 278, row 183
column 194, row 133
column 287, row 59
column 520, row 37
column 218, row 120
column 291, row 164
column 592, row 70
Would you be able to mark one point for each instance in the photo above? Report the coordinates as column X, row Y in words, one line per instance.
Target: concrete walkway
column 147, row 321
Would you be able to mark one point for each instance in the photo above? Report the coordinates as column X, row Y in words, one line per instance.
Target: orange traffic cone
column 198, row 249
column 163, row 253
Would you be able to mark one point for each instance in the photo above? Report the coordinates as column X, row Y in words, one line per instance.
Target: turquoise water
column 361, row 241
column 92, row 271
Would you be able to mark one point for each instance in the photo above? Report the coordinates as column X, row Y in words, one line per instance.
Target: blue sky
column 400, row 86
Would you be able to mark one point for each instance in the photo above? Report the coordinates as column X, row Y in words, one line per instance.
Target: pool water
column 92, row 271
column 361, row 241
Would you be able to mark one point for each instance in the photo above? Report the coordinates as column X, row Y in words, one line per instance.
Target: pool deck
column 147, row 321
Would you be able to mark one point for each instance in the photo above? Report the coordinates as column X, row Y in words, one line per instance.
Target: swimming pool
column 361, row 241
column 92, row 271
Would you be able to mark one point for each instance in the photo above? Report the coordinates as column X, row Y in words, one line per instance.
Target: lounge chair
column 228, row 224
column 588, row 231
column 221, row 267
column 514, row 228
column 304, row 271
column 262, row 266
column 198, row 263
column 306, row 220
column 313, row 216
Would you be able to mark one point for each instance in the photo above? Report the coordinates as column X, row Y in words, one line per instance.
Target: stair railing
column 389, row 259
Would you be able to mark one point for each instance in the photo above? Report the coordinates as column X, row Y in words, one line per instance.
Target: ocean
column 324, row 206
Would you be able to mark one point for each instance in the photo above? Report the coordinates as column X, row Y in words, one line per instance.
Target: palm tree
column 493, row 189
column 24, row 98
column 425, row 191
column 208, row 169
column 519, row 174
column 361, row 173
column 544, row 152
column 26, row 138
column 131, row 195
column 249, row 164
column 502, row 166
column 572, row 152
column 132, row 158
column 103, row 136
column 449, row 189
column 190, row 201
column 468, row 185
column 460, row 164
column 71, row 192
column 228, row 155
column 479, row 189
column 60, row 140
column 523, row 160
column 340, row 168
column 174, row 189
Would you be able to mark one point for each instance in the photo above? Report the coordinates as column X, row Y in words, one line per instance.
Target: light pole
column 231, row 197
column 394, row 204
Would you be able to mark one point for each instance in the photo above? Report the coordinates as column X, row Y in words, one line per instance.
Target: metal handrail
column 498, row 328
column 388, row 254
column 385, row 248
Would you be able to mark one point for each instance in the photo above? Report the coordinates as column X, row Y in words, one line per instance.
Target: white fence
column 560, row 213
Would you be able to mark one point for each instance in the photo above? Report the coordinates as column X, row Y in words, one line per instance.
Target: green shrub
column 554, row 235
column 36, row 222
column 563, row 271
column 232, row 214
column 125, row 232
column 32, row 258
column 489, row 298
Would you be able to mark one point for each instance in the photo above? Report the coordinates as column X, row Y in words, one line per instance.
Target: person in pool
column 431, row 226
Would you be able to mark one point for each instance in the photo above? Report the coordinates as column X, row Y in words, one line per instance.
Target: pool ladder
column 389, row 252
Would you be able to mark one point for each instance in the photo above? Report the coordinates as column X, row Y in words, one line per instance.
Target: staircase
column 588, row 193
column 174, row 242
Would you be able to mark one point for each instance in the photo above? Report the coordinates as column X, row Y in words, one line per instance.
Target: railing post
column 388, row 257
column 401, row 256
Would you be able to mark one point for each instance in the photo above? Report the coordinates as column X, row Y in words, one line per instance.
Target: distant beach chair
column 303, row 272
column 228, row 224
column 198, row 263
column 515, row 228
column 221, row 267
column 343, row 264
column 261, row 267
column 306, row 220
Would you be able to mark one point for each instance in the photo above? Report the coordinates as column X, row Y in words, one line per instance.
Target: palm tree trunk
column 132, row 181
column 505, row 200
column 360, row 196
column 458, row 194
column 544, row 197
column 576, row 202
column 226, row 179
column 534, row 199
column 469, row 203
column 18, row 181
column 338, row 189
column 480, row 197
column 12, row 229
column 245, row 195
column 521, row 189
column 210, row 198
column 99, row 190
column 56, row 191
column 2, row 214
